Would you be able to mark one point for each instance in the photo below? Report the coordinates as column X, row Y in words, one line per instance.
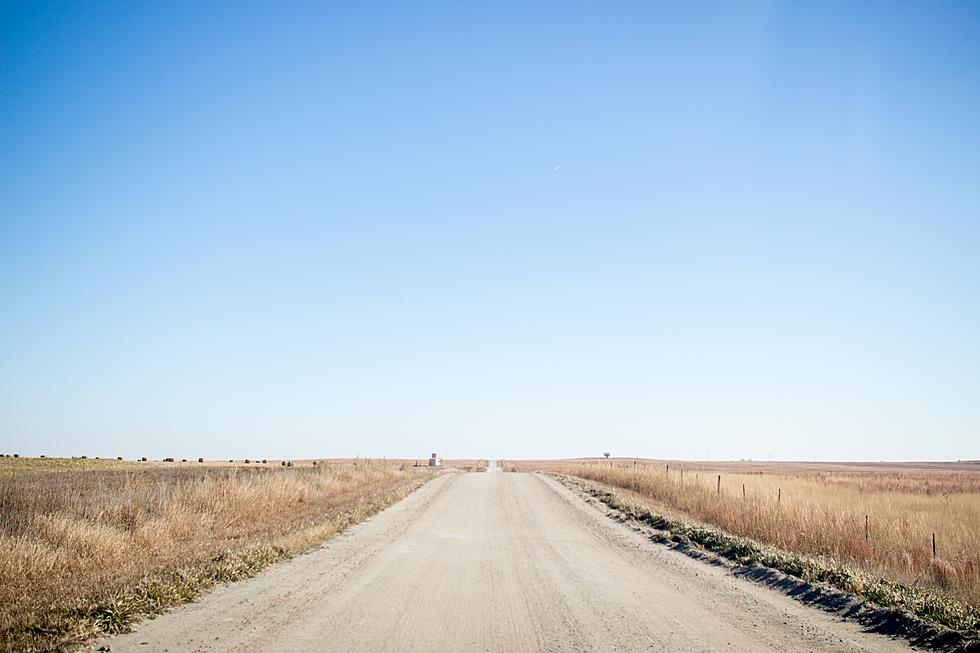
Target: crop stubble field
column 88, row 546
column 879, row 517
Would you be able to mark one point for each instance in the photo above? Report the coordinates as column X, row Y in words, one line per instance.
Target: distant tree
column 606, row 454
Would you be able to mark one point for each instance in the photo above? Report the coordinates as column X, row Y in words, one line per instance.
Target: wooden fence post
column 743, row 490
column 867, row 529
column 779, row 496
column 933, row 546
column 719, row 484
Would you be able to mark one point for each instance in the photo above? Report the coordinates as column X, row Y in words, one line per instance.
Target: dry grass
column 820, row 509
column 10, row 466
column 87, row 549
column 467, row 465
column 463, row 464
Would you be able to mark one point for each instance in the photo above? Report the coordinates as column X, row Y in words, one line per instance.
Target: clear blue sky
column 678, row 230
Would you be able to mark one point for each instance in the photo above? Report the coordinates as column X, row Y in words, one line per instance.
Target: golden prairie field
column 880, row 517
column 87, row 546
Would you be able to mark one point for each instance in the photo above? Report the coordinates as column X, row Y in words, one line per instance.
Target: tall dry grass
column 881, row 519
column 78, row 549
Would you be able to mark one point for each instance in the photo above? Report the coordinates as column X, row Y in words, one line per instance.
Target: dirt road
column 496, row 562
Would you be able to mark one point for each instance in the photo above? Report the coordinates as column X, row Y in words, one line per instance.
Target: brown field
column 10, row 466
column 467, row 465
column 87, row 546
column 880, row 517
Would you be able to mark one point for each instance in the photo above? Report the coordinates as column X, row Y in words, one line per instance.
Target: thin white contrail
column 560, row 166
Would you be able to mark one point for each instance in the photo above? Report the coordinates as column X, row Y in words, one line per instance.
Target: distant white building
column 434, row 460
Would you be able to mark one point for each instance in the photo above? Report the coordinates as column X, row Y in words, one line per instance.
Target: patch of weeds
column 880, row 591
column 102, row 611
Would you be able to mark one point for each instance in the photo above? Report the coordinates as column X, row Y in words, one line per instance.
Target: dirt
column 497, row 562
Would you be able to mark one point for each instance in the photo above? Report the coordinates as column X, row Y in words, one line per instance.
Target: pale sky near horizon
column 678, row 230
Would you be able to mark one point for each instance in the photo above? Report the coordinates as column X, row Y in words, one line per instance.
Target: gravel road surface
column 496, row 562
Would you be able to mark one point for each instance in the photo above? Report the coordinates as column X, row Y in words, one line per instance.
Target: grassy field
column 89, row 546
column 10, row 466
column 878, row 517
